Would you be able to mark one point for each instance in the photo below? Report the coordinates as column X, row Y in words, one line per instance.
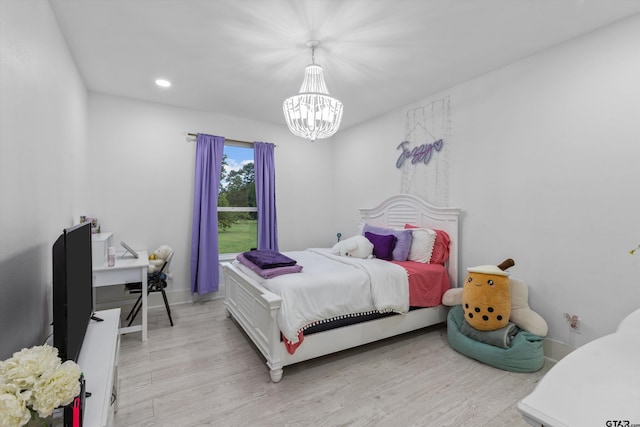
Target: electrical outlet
column 573, row 320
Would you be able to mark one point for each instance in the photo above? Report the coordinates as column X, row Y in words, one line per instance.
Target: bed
column 256, row 309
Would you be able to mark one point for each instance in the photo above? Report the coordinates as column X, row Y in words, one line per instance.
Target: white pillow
column 421, row 245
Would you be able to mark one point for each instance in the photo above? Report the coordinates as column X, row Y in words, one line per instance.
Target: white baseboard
column 556, row 350
column 110, row 300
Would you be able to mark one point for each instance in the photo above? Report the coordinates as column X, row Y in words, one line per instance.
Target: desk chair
column 156, row 282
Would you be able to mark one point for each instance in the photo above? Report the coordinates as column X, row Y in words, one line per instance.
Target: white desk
column 127, row 270
column 593, row 385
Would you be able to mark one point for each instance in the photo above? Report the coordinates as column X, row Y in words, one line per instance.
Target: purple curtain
column 205, row 276
column 265, row 180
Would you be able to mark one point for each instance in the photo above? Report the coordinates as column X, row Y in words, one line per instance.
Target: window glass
column 237, row 212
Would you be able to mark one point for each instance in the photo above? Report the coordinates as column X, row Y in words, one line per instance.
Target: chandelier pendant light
column 312, row 113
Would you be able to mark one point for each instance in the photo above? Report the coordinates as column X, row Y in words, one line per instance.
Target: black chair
column 156, row 282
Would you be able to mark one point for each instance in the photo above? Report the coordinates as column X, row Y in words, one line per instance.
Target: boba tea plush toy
column 486, row 298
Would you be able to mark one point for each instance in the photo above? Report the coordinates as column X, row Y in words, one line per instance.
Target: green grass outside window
column 239, row 237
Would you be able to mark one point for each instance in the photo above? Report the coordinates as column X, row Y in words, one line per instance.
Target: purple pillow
column 403, row 242
column 382, row 245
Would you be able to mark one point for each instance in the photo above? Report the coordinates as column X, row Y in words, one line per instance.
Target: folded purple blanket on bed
column 267, row 258
column 269, row 272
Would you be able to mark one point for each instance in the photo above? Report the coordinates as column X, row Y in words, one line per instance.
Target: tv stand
column 98, row 360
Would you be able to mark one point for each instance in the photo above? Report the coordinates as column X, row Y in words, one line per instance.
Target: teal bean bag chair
column 524, row 355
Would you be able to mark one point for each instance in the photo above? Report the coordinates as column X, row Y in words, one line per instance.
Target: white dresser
column 98, row 360
column 596, row 385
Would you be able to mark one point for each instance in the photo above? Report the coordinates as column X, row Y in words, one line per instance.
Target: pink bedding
column 427, row 283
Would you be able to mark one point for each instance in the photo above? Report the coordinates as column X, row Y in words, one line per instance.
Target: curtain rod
column 195, row 135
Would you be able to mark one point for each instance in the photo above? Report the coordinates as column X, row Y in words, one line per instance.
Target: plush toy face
column 521, row 314
column 363, row 250
column 356, row 247
column 486, row 301
column 162, row 252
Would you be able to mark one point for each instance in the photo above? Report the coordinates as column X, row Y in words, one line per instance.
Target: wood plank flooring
column 204, row 371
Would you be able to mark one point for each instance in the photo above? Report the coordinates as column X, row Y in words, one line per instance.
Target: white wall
column 543, row 154
column 43, row 116
column 544, row 160
column 142, row 172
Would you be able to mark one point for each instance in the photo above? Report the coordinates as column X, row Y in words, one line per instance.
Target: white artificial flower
column 56, row 388
column 28, row 364
column 13, row 408
column 34, row 380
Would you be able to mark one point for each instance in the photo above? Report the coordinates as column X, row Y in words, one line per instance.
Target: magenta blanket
column 268, row 273
column 267, row 258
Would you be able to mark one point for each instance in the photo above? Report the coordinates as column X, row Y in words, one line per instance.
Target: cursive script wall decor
column 427, row 128
column 420, row 154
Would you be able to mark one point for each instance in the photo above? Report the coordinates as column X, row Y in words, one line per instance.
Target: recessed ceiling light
column 163, row 83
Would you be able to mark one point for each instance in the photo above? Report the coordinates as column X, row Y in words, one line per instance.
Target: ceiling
column 244, row 57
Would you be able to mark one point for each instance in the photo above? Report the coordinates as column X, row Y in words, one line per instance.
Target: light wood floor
column 205, row 372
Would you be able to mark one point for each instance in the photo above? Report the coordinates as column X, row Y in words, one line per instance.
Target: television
column 72, row 290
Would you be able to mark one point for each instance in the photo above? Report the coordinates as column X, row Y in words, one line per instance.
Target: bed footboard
column 255, row 309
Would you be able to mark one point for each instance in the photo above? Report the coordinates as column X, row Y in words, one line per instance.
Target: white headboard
column 401, row 209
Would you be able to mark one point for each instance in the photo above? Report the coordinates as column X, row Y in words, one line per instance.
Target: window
column 237, row 211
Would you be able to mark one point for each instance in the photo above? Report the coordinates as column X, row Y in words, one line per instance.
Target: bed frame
column 255, row 308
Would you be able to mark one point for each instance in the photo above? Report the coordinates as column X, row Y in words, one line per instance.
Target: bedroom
column 557, row 129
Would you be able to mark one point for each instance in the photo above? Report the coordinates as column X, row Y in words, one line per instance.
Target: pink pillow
column 440, row 253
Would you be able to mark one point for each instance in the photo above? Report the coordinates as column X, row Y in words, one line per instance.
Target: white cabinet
column 100, row 243
column 98, row 360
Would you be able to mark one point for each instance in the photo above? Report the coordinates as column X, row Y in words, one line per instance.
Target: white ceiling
column 244, row 57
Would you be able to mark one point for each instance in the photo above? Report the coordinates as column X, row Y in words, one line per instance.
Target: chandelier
column 312, row 113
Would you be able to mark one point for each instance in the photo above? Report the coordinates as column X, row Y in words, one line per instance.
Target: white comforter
column 332, row 286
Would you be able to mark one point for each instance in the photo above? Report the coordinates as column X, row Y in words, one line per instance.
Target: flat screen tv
column 72, row 290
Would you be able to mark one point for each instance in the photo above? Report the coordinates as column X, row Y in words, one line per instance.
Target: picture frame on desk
column 95, row 227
